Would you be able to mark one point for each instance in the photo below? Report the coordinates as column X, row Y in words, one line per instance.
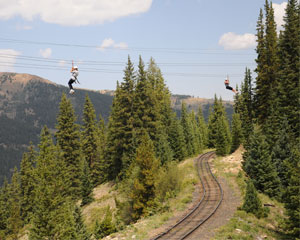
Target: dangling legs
column 230, row 88
column 71, row 81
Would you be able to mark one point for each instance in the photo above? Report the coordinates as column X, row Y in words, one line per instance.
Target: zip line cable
column 164, row 50
column 89, row 62
column 98, row 70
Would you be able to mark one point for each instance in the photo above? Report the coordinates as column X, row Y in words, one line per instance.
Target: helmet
column 75, row 67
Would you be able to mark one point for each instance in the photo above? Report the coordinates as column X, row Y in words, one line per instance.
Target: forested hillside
column 27, row 103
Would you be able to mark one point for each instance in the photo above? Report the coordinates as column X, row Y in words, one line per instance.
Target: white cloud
column 8, row 58
column 110, row 43
column 46, row 53
column 233, row 41
column 72, row 12
column 107, row 43
column 279, row 12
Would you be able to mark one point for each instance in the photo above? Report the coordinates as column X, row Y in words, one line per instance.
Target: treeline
column 137, row 148
column 269, row 112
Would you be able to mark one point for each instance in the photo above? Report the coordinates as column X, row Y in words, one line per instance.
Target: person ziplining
column 73, row 79
column 229, row 87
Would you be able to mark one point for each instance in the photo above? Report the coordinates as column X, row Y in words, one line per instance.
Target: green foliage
column 142, row 193
column 176, row 139
column 52, row 216
column 292, row 192
column 80, row 228
column 87, row 187
column 14, row 220
column 275, row 103
column 68, row 141
column 90, row 140
column 167, row 183
column 281, row 153
column 259, row 167
column 27, row 179
column 202, row 127
column 188, row 133
column 106, row 227
column 164, row 151
column 244, row 107
column 237, row 135
column 267, row 64
column 252, row 203
column 4, row 213
column 289, row 54
column 198, row 139
column 218, row 129
column 120, row 140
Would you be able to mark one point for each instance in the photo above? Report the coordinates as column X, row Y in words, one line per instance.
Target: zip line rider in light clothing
column 73, row 79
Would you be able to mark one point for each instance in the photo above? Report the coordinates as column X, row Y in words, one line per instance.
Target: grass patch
column 174, row 205
column 242, row 225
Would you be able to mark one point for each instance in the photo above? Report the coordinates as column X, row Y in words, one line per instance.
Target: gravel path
column 231, row 201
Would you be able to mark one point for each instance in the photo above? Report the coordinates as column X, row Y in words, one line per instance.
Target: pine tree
column 292, row 192
column 202, row 127
column 68, row 140
column 218, row 129
column 245, row 107
column 115, row 149
column 267, row 64
column 146, row 105
column 87, row 187
column 106, row 227
column 90, row 139
column 187, row 130
column 4, row 213
column 237, row 135
column 282, row 152
column 101, row 166
column 176, row 139
column 53, row 210
column 260, row 97
column 163, row 149
column 81, row 231
column 259, row 167
column 120, row 140
column 14, row 220
column 162, row 112
column 252, row 203
column 142, row 194
column 27, row 183
column 289, row 54
column 198, row 140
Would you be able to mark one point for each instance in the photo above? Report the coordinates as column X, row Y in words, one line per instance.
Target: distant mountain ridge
column 29, row 102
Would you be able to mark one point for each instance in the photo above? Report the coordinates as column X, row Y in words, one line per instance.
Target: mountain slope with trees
column 28, row 103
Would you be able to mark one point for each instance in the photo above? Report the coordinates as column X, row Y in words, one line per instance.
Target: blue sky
column 196, row 43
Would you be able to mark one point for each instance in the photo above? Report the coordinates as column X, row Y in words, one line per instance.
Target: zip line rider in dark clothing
column 228, row 87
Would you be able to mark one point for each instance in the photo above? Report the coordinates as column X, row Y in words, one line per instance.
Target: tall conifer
column 68, row 140
column 289, row 53
column 27, row 179
column 143, row 190
column 53, row 209
column 121, row 133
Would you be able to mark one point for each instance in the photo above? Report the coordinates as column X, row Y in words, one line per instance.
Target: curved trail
column 206, row 207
